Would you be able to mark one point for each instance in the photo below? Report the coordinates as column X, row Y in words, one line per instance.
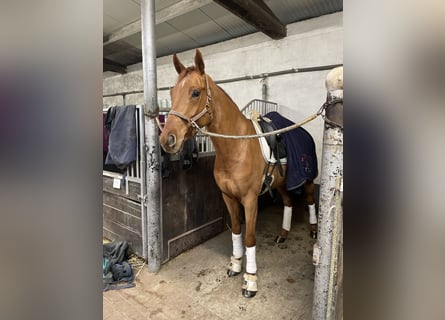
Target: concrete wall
column 309, row 43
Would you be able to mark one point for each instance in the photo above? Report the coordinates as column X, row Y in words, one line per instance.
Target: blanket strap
column 268, row 179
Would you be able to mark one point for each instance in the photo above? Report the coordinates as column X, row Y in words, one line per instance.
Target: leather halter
column 192, row 121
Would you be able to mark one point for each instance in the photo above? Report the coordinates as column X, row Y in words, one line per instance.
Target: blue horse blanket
column 301, row 156
column 122, row 140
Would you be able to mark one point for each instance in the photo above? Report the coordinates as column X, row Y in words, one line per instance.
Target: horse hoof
column 234, row 267
column 249, row 285
column 248, row 293
column 314, row 234
column 279, row 239
column 232, row 273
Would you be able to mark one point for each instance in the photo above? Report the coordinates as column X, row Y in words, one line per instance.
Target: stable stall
column 192, row 207
column 278, row 50
column 185, row 221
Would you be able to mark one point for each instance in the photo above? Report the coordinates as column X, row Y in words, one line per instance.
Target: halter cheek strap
column 192, row 121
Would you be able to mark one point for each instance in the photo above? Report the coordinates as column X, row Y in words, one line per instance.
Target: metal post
column 330, row 218
column 143, row 181
column 152, row 151
column 264, row 89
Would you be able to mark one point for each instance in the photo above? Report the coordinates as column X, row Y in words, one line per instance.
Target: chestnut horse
column 239, row 164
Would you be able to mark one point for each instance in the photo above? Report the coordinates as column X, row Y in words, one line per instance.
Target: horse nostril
column 171, row 140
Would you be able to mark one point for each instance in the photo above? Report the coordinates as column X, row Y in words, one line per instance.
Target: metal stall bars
column 120, row 205
column 261, row 106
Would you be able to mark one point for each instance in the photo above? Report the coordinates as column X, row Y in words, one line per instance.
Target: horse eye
column 195, row 93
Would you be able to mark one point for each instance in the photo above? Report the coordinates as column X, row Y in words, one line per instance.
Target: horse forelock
column 185, row 73
column 189, row 70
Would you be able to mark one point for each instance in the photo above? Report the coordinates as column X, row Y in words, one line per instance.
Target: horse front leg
column 287, row 215
column 236, row 260
column 310, row 200
column 249, row 287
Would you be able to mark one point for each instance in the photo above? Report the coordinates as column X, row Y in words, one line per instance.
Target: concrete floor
column 195, row 285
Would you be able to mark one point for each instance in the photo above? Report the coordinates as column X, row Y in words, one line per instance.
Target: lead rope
column 330, row 101
column 260, row 135
column 159, row 124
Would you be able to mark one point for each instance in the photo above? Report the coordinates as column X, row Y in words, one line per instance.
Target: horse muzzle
column 170, row 143
column 173, row 135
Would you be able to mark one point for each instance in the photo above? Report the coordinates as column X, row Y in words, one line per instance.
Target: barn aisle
column 195, row 285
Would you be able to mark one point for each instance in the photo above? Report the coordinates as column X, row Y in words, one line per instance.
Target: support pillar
column 327, row 257
column 152, row 198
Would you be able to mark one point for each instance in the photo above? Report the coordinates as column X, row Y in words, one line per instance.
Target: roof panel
column 289, row 11
column 161, row 4
column 235, row 26
column 124, row 11
column 209, row 24
column 164, row 29
column 215, row 11
column 134, row 40
column 178, row 40
column 189, row 20
column 207, row 33
column 162, row 47
column 110, row 24
column 230, row 23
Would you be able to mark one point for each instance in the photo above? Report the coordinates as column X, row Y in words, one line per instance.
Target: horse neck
column 227, row 119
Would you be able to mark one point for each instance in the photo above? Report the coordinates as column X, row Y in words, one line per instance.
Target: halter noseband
column 192, row 121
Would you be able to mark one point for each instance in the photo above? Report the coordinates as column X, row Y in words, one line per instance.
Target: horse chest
column 235, row 182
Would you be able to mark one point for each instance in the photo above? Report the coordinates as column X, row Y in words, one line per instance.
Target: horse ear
column 199, row 62
column 178, row 65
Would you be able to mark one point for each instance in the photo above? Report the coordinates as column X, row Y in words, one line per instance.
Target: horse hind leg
column 287, row 215
column 310, row 200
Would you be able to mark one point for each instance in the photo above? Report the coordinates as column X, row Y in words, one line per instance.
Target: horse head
column 190, row 105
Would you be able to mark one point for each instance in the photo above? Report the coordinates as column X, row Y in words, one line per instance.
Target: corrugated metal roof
column 290, row 11
column 230, row 23
column 209, row 23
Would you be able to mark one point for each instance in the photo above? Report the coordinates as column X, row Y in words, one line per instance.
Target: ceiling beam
column 109, row 65
column 257, row 14
column 162, row 15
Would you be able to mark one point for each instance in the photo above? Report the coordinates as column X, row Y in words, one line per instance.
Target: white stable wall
column 310, row 43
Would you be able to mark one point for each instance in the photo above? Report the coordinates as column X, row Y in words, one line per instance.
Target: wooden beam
column 162, row 15
column 257, row 14
column 109, row 65
column 179, row 8
column 123, row 32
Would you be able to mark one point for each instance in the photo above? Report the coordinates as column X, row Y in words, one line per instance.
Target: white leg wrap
column 312, row 214
column 287, row 218
column 249, row 282
column 237, row 241
column 235, row 265
column 250, row 260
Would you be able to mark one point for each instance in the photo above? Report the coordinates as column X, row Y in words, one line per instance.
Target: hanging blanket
column 301, row 155
column 122, row 141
